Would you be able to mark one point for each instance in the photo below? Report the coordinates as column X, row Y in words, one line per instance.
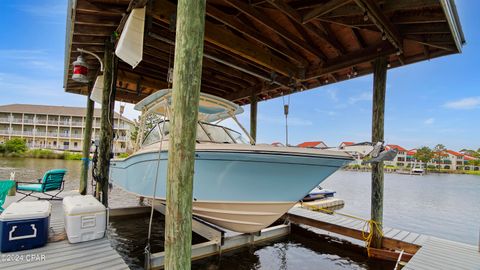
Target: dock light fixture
column 80, row 70
column 365, row 16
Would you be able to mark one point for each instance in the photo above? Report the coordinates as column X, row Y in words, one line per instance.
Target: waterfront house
column 57, row 127
column 401, row 157
column 315, row 144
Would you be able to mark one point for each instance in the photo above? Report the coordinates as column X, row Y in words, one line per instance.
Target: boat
column 417, row 171
column 240, row 186
column 318, row 193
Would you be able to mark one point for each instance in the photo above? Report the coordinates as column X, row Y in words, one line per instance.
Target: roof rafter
column 244, row 29
column 221, row 37
column 324, row 9
column 297, row 18
column 256, row 15
column 384, row 25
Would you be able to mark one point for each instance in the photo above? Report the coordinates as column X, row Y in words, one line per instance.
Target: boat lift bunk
column 219, row 239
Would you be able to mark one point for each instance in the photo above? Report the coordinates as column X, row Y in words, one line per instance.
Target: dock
column 58, row 253
column 413, row 251
column 420, row 252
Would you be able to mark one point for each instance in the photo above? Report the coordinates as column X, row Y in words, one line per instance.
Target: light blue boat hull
column 231, row 187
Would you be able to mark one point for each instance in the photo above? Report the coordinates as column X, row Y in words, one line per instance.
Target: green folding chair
column 5, row 186
column 52, row 180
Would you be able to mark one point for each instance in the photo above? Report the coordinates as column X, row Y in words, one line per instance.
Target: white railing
column 77, row 123
column 16, row 132
column 27, row 133
column 4, row 131
column 28, row 121
column 53, row 122
column 63, row 135
column 17, row 120
column 52, row 134
column 5, row 120
column 41, row 121
column 40, row 133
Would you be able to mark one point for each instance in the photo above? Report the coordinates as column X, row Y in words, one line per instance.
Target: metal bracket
column 173, row 22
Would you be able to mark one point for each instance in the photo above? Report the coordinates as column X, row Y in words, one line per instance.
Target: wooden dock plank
column 401, row 235
column 350, row 227
column 392, row 233
column 411, row 237
column 96, row 254
column 441, row 254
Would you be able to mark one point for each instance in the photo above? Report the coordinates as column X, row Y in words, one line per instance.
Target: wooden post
column 187, row 74
column 87, row 139
column 253, row 116
column 378, row 110
column 106, row 123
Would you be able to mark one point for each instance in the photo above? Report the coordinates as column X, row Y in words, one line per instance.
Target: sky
column 428, row 103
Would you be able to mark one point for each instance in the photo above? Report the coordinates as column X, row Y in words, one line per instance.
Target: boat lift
column 219, row 239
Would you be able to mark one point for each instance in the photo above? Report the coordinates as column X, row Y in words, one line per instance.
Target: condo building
column 57, row 127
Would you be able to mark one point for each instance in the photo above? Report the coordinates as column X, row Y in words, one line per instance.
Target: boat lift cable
column 147, row 247
column 286, row 106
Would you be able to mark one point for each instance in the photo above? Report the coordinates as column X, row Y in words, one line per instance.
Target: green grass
column 72, row 156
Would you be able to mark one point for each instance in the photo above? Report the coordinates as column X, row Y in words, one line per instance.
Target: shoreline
column 428, row 171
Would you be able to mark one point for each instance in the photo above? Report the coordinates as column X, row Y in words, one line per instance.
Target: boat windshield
column 206, row 132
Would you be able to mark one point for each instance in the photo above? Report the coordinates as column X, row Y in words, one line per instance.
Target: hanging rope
column 285, row 111
column 368, row 223
column 147, row 247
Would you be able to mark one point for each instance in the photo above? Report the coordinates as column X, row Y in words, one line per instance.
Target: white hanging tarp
column 130, row 44
column 97, row 90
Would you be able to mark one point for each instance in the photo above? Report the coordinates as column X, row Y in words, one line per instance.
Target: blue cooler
column 24, row 225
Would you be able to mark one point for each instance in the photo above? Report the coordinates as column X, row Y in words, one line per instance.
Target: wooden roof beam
column 259, row 17
column 247, row 92
column 324, row 9
column 383, row 24
column 388, row 6
column 358, row 38
column 297, row 18
column 87, row 7
column 351, row 59
column 232, row 22
column 221, row 37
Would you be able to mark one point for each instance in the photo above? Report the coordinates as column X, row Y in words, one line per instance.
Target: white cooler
column 85, row 218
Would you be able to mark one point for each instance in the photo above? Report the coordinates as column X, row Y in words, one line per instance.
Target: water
column 442, row 205
column 446, row 206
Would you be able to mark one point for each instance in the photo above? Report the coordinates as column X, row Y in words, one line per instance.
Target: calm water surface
column 441, row 205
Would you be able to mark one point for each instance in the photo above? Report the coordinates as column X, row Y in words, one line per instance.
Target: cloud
column 429, row 121
column 329, row 113
column 464, row 104
column 365, row 96
column 32, row 59
column 332, row 93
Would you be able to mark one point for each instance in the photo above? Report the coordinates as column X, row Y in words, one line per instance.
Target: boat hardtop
column 210, row 109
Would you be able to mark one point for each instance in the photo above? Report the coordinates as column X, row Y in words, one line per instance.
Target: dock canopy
column 265, row 48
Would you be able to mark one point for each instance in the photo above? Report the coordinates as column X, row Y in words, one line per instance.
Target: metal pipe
column 216, row 59
column 252, row 141
column 94, row 55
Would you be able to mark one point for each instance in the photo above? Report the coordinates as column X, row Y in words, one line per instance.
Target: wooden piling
column 378, row 110
column 87, row 138
column 186, row 90
column 253, row 117
column 106, row 123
